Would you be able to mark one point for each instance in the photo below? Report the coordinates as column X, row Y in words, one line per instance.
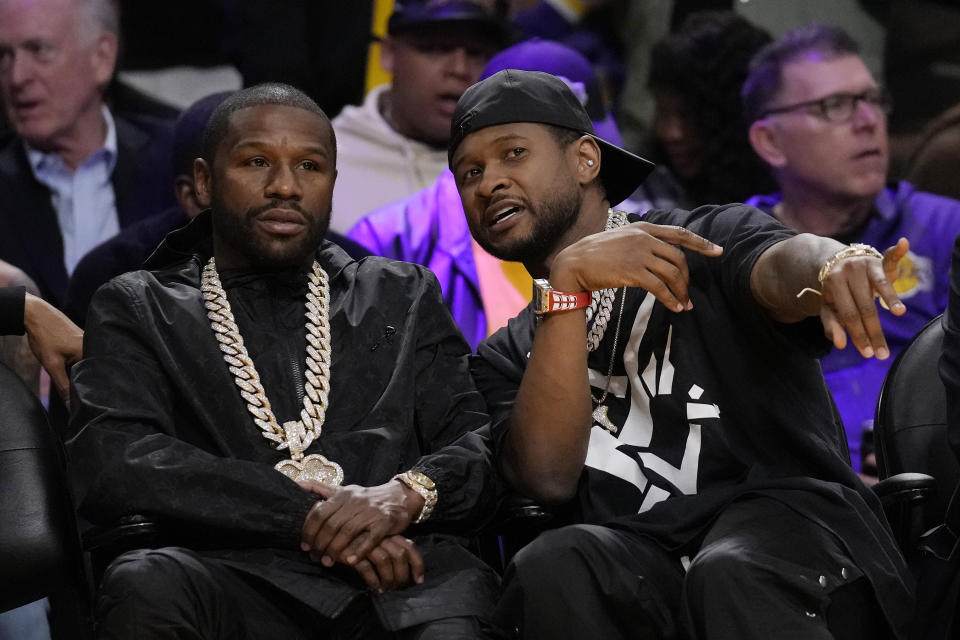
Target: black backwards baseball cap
column 533, row 96
column 415, row 15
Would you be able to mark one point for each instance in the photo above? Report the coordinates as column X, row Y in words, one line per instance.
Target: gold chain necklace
column 295, row 435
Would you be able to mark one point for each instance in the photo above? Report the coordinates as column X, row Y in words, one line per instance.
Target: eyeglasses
column 839, row 107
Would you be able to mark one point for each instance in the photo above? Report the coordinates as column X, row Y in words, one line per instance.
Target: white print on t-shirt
column 656, row 379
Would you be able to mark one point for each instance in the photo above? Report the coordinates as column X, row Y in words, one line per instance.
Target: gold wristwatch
column 546, row 299
column 425, row 487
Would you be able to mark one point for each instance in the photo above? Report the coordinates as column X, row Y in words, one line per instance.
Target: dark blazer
column 29, row 231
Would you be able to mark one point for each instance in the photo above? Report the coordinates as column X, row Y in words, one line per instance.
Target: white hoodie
column 375, row 164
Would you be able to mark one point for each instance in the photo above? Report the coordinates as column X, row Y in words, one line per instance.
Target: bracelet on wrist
column 855, row 250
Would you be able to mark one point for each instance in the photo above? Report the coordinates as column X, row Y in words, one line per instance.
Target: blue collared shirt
column 83, row 198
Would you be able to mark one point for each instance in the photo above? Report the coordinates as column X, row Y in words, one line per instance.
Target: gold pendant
column 600, row 417
column 313, row 467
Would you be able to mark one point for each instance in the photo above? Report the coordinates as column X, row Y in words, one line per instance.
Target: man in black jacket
column 290, row 515
column 679, row 412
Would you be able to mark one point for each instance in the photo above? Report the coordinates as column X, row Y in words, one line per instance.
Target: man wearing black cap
column 393, row 144
column 688, row 431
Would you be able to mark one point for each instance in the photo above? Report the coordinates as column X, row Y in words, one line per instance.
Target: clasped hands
column 361, row 527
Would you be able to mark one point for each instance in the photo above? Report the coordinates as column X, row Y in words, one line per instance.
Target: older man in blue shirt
column 72, row 174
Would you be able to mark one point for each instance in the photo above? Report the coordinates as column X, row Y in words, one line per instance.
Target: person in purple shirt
column 819, row 120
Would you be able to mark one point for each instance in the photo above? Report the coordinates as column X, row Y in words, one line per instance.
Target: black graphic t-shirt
column 697, row 399
column 707, row 406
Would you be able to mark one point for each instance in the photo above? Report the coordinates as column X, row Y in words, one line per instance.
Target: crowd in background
column 103, row 120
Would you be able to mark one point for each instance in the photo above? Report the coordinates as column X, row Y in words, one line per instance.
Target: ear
column 765, row 141
column 104, row 58
column 201, row 182
column 186, row 195
column 587, row 159
column 388, row 49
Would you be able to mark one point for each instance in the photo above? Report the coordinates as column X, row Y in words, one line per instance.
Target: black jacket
column 31, row 240
column 162, row 430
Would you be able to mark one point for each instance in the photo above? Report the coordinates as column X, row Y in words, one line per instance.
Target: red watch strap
column 563, row 301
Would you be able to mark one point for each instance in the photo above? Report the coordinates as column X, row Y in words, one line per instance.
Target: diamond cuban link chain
column 601, row 304
column 295, row 435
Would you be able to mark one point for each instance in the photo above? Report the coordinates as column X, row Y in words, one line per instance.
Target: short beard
column 552, row 219
column 237, row 232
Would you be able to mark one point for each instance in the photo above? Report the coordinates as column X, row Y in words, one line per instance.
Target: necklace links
column 294, row 436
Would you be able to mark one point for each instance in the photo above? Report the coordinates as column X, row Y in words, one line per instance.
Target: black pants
column 762, row 572
column 174, row 593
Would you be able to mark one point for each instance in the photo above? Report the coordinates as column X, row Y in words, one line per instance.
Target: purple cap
column 568, row 65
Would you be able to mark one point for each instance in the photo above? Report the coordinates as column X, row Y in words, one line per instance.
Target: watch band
column 546, row 299
column 423, row 485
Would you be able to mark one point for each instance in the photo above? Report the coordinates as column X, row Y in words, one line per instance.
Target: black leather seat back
column 910, row 427
column 39, row 549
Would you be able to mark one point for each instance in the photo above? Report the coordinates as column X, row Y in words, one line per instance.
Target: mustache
column 277, row 203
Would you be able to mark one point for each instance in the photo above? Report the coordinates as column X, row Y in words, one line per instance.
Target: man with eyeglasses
column 819, row 120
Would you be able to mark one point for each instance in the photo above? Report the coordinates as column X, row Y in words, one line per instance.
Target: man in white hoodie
column 394, row 144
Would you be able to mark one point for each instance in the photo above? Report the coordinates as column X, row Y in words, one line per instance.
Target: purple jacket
column 429, row 228
column 930, row 223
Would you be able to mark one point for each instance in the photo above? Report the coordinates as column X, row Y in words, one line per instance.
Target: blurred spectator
column 695, row 78
column 819, row 121
column 395, row 143
column 54, row 340
column 593, row 28
column 648, row 21
column 922, row 66
column 15, row 349
column 935, row 163
column 72, row 175
column 430, row 228
column 131, row 247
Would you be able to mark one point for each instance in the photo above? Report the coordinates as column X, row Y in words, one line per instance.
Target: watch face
column 424, row 480
column 541, row 296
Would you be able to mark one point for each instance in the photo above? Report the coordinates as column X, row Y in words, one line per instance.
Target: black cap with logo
column 532, row 96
